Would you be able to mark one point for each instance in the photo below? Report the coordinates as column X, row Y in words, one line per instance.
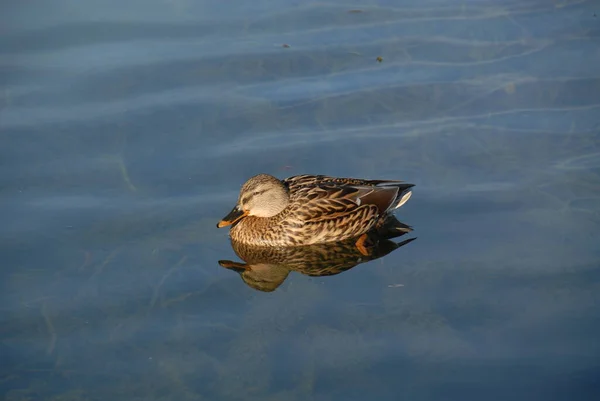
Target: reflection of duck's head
column 260, row 276
column 265, row 268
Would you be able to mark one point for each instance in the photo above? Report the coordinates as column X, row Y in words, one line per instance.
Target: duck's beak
column 233, row 217
column 235, row 266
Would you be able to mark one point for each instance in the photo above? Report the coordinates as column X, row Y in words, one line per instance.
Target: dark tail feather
column 392, row 228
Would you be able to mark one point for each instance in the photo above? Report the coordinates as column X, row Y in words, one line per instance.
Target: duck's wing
column 336, row 212
column 358, row 190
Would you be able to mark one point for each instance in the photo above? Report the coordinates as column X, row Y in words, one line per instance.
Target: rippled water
column 128, row 128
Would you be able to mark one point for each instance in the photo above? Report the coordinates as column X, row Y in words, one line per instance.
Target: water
column 128, row 128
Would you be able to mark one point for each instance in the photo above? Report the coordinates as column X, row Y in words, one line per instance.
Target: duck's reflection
column 265, row 268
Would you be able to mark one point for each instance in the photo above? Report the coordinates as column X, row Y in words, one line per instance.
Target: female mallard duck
column 311, row 209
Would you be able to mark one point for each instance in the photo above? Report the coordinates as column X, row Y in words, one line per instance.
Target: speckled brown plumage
column 265, row 268
column 322, row 209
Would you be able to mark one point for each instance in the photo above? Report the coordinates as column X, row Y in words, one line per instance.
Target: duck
column 312, row 209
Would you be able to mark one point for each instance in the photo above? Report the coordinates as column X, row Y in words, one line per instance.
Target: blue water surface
column 128, row 127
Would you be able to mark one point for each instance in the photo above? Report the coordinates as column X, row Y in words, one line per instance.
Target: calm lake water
column 127, row 129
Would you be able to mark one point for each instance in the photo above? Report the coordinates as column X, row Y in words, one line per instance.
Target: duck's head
column 261, row 196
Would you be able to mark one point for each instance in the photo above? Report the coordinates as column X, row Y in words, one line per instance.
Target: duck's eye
column 256, row 193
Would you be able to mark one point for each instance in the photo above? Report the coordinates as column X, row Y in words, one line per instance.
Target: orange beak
column 233, row 217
